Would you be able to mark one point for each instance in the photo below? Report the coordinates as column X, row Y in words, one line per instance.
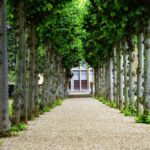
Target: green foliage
column 46, row 109
column 78, row 29
column 66, row 21
column 107, row 102
column 129, row 111
column 143, row 118
column 105, row 28
column 1, row 142
column 18, row 128
column 57, row 102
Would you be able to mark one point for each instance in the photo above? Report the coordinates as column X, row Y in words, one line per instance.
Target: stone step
column 80, row 96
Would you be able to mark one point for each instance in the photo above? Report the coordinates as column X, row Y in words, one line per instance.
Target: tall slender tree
column 20, row 101
column 4, row 117
column 147, row 70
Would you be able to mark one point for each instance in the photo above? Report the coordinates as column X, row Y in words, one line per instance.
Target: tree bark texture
column 147, row 70
column 140, row 73
column 4, row 117
column 111, row 79
column 115, row 74
column 131, row 71
column 32, row 68
column 20, row 99
column 121, row 82
column 96, row 82
column 125, row 60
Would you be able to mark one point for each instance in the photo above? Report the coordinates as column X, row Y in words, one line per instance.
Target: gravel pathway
column 81, row 124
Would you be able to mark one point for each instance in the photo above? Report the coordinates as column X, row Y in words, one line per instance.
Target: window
column 83, row 75
column 76, row 74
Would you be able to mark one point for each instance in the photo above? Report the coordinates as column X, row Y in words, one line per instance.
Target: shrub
column 143, row 118
column 18, row 128
column 107, row 102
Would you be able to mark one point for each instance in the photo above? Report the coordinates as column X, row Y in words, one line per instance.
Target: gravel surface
column 81, row 124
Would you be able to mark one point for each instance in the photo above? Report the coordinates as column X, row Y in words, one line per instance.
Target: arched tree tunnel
column 48, row 38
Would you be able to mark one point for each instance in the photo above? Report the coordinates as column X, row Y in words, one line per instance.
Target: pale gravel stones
column 82, row 124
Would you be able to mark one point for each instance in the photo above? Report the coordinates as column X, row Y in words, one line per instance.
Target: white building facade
column 82, row 80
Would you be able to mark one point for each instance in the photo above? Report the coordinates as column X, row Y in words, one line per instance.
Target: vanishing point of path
column 81, row 124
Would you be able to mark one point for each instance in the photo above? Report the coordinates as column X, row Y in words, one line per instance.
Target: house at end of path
column 82, row 80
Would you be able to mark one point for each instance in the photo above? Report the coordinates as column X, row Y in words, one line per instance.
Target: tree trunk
column 121, row 83
column 100, row 81
column 131, row 71
column 4, row 117
column 20, row 101
column 115, row 75
column 96, row 82
column 43, row 101
column 140, row 73
column 47, row 75
column 54, row 75
column 118, row 75
column 32, row 67
column 111, row 80
column 65, row 83
column 104, row 80
column 125, row 60
column 57, row 77
column 147, row 71
column 36, row 109
column 36, row 98
column 62, row 82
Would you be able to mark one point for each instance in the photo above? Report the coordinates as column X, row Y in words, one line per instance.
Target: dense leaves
column 108, row 22
column 64, row 29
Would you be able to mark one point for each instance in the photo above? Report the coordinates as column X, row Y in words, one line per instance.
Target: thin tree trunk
column 43, row 101
column 100, row 81
column 131, row 71
column 4, row 117
column 57, row 76
column 106, row 81
column 32, row 67
column 65, row 83
column 61, row 79
column 54, row 74
column 60, row 87
column 115, row 74
column 96, row 82
column 125, row 59
column 140, row 73
column 103, row 80
column 24, row 115
column 98, row 76
column 121, row 83
column 36, row 76
column 47, row 75
column 111, row 80
column 118, row 76
column 36, row 109
column 20, row 101
column 147, row 71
